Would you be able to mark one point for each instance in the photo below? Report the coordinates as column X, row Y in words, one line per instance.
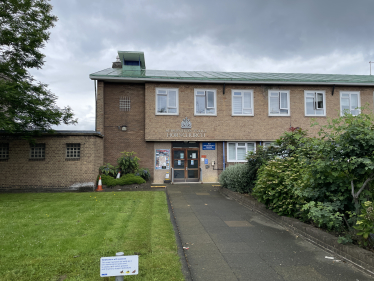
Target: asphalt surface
column 224, row 240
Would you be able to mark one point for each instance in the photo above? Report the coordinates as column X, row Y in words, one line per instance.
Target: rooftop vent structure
column 131, row 60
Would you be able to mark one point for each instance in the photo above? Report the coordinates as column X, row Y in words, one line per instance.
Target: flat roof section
column 145, row 75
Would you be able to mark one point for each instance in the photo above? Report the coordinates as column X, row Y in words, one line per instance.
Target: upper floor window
column 4, row 151
column 350, row 102
column 205, row 102
column 37, row 151
column 167, row 102
column 315, row 103
column 124, row 104
column 237, row 151
column 279, row 103
column 242, row 102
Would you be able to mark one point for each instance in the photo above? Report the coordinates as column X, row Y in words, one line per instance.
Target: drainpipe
column 223, row 156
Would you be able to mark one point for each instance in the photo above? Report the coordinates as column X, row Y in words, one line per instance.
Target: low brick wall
column 358, row 256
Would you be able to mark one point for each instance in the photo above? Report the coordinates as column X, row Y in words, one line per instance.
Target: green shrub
column 324, row 214
column 276, row 185
column 107, row 169
column 235, row 178
column 144, row 173
column 365, row 224
column 124, row 180
column 128, row 163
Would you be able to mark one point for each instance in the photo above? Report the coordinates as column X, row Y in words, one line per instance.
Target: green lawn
column 61, row 236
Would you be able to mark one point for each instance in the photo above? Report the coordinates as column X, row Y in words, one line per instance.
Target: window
column 267, row 144
column 315, row 103
column 73, row 150
column 237, row 151
column 242, row 102
column 167, row 102
column 205, row 102
column 279, row 103
column 4, row 151
column 37, row 151
column 349, row 102
column 124, row 104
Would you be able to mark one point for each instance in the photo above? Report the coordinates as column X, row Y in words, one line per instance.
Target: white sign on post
column 119, row 266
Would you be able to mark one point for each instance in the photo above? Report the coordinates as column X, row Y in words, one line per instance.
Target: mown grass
column 61, row 236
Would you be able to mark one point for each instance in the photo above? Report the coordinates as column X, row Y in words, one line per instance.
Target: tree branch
column 370, row 178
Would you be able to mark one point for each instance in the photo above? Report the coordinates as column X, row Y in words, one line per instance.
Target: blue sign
column 209, row 146
column 205, row 161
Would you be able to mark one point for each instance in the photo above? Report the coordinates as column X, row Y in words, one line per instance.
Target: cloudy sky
column 307, row 36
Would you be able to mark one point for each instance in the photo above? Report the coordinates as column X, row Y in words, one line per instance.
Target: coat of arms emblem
column 186, row 123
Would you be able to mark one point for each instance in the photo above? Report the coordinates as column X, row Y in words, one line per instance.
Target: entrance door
column 186, row 164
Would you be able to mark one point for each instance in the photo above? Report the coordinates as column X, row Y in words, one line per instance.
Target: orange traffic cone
column 99, row 185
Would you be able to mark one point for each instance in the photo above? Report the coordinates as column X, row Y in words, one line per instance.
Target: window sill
column 73, row 159
column 279, row 115
column 166, row 114
column 242, row 115
column 315, row 116
column 211, row 115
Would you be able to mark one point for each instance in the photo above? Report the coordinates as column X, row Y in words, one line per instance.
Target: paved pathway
column 228, row 241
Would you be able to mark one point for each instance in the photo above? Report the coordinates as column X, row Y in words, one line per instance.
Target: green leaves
column 26, row 104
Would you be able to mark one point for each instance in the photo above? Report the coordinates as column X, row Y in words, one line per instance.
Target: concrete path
column 228, row 241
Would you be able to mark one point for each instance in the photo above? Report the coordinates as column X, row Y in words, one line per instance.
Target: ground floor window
column 237, row 151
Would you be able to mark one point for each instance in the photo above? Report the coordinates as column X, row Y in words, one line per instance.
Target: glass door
column 186, row 164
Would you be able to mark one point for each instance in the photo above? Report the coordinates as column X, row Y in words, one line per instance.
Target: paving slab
column 227, row 241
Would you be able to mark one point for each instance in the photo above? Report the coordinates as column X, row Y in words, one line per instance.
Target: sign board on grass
column 119, row 266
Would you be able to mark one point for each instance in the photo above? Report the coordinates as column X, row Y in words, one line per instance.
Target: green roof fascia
column 231, row 77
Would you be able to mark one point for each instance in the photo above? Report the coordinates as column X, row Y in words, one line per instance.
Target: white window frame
column 236, row 151
column 215, row 102
column 315, row 103
column 350, row 93
column 167, row 100
column 288, row 102
column 242, row 96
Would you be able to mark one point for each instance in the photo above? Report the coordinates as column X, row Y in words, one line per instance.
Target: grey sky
column 309, row 36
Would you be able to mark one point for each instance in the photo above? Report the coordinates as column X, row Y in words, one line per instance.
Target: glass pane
column 161, row 104
column 237, row 93
column 210, row 99
column 178, row 154
column 247, row 100
column 178, row 174
column 232, row 152
column 172, row 98
column 247, row 111
column 200, row 104
column 178, row 164
column 193, row 174
column 309, row 102
column 192, row 154
column 283, row 111
column 345, row 95
column 250, row 147
column 237, row 105
column 241, row 144
column 354, row 101
column 172, row 110
column 345, row 104
column 161, row 92
column 274, row 105
column 319, row 101
column 200, row 93
column 283, row 101
column 192, row 164
column 210, row 110
column 241, row 153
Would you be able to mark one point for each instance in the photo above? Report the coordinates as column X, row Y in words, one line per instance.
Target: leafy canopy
column 25, row 103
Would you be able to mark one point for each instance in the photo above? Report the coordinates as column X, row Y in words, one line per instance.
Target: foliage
column 365, row 223
column 276, row 184
column 23, row 32
column 128, row 163
column 234, row 178
column 107, row 169
column 324, row 214
column 144, row 173
column 347, row 239
column 124, row 180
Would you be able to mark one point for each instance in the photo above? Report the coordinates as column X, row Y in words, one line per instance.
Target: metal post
column 119, row 278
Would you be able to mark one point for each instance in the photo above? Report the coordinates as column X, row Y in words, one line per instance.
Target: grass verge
column 61, row 236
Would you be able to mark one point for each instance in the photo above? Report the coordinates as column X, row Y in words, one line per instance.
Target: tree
column 25, row 103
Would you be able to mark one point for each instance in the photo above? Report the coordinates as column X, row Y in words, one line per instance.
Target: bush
column 128, row 163
column 107, row 169
column 276, row 185
column 124, row 180
column 365, row 224
column 235, row 178
column 144, row 173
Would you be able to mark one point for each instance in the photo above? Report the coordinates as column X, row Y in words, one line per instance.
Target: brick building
column 192, row 124
column 187, row 124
